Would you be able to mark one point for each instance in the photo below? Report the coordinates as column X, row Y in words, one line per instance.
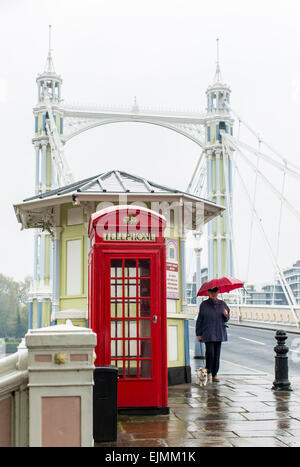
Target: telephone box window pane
column 144, row 267
column 116, row 268
column 131, row 348
column 130, row 268
column 145, row 309
column 130, row 368
column 130, row 308
column 145, row 288
column 116, row 288
column 116, row 328
column 145, row 328
column 130, row 288
column 145, row 348
column 116, row 348
column 145, row 368
column 130, row 328
column 116, row 309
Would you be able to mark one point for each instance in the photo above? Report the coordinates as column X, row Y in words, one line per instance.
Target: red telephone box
column 127, row 301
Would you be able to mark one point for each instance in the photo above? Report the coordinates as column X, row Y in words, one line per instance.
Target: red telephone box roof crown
column 130, row 212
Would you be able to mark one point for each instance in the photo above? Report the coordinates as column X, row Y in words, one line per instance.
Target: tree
column 13, row 307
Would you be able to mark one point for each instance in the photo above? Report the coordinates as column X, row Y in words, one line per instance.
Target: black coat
column 211, row 321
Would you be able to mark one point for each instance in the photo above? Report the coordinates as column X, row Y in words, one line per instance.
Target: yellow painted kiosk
column 60, row 219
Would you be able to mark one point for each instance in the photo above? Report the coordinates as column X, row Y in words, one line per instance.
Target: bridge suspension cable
column 285, row 166
column 258, row 136
column 266, row 180
column 195, row 184
column 279, row 226
column 252, row 214
column 198, row 181
column 285, row 286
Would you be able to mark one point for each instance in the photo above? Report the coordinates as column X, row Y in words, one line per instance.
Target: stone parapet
column 60, row 369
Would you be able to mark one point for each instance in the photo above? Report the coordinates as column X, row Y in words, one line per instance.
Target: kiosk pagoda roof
column 107, row 186
column 114, row 181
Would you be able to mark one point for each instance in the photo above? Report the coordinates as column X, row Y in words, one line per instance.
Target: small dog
column 201, row 377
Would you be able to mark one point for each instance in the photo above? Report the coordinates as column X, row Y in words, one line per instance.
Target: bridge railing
column 132, row 109
column 258, row 313
column 14, row 398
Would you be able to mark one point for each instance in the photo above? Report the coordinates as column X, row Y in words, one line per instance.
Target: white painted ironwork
column 78, row 119
column 57, row 151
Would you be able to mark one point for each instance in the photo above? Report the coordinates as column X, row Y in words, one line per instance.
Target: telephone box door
column 135, row 338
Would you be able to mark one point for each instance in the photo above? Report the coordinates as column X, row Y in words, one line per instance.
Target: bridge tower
column 219, row 176
column 48, row 124
column 49, row 89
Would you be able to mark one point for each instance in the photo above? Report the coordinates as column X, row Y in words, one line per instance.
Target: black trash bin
column 105, row 403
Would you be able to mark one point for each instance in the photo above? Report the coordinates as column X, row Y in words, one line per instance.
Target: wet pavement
column 241, row 410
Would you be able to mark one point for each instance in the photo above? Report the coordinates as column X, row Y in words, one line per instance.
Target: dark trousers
column 212, row 356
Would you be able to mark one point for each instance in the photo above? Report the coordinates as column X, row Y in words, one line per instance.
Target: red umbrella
column 224, row 284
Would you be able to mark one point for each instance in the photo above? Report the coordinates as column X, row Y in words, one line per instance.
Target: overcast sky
column 163, row 52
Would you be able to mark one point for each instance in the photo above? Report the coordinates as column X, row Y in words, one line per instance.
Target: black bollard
column 281, row 382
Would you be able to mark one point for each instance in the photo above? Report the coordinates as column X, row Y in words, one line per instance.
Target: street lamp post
column 199, row 346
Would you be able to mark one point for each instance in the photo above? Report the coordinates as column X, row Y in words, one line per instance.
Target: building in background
column 273, row 294
column 192, row 289
column 268, row 294
column 292, row 276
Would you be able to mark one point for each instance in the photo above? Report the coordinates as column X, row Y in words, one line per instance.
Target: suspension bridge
column 229, row 166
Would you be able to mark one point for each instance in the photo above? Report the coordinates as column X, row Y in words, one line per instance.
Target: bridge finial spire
column 218, row 75
column 135, row 107
column 49, row 67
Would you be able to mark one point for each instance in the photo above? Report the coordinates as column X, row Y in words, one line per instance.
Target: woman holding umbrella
column 211, row 321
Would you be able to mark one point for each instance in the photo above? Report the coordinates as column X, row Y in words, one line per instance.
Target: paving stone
column 283, row 403
column 244, row 433
column 212, row 404
column 294, row 432
column 225, row 410
column 249, row 398
column 251, row 406
column 267, row 415
column 190, row 414
column 214, row 434
column 167, row 436
column 257, row 442
column 205, row 442
column 289, row 441
column 155, row 442
column 159, row 427
column 255, row 426
column 219, row 416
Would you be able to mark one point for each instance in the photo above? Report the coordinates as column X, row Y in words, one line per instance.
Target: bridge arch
column 169, row 126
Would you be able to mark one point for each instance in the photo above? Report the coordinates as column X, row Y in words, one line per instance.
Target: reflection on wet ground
column 238, row 411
